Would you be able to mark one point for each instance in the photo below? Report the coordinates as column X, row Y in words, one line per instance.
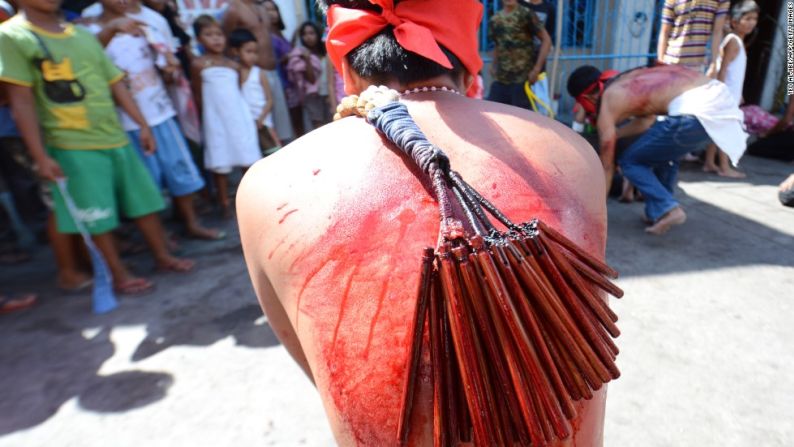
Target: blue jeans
column 651, row 162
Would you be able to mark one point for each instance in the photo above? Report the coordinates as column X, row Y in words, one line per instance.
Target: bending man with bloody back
column 332, row 225
column 697, row 111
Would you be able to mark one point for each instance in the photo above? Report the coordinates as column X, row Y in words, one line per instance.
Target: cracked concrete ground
column 706, row 346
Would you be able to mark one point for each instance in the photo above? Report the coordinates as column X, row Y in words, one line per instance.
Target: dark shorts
column 510, row 94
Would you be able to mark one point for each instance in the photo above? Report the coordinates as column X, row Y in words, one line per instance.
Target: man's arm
column 636, row 126
column 716, row 37
column 545, row 48
column 125, row 100
column 23, row 109
column 268, row 98
column 122, row 25
column 661, row 46
column 607, row 139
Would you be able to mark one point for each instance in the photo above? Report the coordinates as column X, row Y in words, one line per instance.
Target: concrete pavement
column 706, row 349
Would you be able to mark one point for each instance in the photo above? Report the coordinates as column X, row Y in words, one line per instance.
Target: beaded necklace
column 429, row 89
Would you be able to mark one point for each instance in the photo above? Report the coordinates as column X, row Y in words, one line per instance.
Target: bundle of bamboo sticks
column 518, row 332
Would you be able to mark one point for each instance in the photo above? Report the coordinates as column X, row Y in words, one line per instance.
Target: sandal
column 8, row 304
column 134, row 287
column 176, row 265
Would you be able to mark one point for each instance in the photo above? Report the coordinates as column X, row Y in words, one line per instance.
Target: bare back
column 648, row 91
column 333, row 228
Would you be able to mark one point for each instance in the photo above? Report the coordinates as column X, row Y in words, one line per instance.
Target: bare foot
column 627, row 195
column 175, row 265
column 675, row 216
column 210, row 234
column 731, row 173
column 710, row 167
column 133, row 286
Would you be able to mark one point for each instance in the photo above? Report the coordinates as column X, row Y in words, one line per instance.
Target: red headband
column 588, row 105
column 419, row 27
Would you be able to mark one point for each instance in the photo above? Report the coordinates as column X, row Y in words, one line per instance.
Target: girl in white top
column 730, row 68
column 256, row 88
column 230, row 138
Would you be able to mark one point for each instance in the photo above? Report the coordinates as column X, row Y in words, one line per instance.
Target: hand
column 49, row 169
column 780, row 126
column 260, row 123
column 147, row 141
column 126, row 25
column 532, row 77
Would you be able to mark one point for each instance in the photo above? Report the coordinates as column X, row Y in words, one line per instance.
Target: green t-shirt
column 71, row 84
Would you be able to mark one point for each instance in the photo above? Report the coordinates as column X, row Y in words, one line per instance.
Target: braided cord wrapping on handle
column 394, row 121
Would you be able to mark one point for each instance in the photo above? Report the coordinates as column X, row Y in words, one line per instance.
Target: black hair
column 381, row 59
column 203, row 21
column 744, row 7
column 582, row 78
column 240, row 37
column 319, row 46
column 280, row 24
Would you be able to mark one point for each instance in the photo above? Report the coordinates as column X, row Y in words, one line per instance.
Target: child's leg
column 140, row 199
column 725, row 168
column 222, row 185
column 154, row 234
column 123, row 280
column 274, row 136
column 710, row 163
column 185, row 206
column 69, row 276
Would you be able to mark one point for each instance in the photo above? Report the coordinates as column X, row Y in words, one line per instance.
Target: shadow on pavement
column 53, row 352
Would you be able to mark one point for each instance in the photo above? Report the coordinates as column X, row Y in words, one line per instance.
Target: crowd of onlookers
column 119, row 102
column 120, row 108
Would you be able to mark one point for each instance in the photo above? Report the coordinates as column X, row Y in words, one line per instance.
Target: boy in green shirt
column 59, row 81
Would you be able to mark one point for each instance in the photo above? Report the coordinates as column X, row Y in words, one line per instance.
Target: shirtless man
column 333, row 226
column 697, row 111
column 252, row 16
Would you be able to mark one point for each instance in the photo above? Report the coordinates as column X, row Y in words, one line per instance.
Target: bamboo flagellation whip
column 518, row 330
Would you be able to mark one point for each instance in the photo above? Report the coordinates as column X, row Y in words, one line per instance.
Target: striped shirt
column 692, row 25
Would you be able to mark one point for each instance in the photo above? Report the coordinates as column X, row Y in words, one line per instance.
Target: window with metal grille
column 578, row 21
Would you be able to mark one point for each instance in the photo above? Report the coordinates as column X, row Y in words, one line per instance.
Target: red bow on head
column 419, row 27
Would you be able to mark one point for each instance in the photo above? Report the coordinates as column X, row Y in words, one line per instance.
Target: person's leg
column 69, row 277
column 710, row 163
column 154, row 234
column 185, row 205
column 296, row 117
column 181, row 176
column 725, row 168
column 651, row 164
column 123, row 281
column 222, row 186
column 500, row 93
column 140, row 200
column 518, row 96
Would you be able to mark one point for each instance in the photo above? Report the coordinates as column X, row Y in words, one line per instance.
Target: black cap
column 582, row 78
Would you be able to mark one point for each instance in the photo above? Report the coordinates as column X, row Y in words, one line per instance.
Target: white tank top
column 734, row 76
column 254, row 95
